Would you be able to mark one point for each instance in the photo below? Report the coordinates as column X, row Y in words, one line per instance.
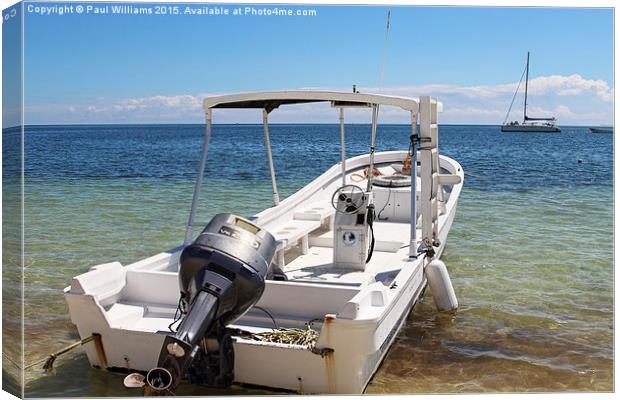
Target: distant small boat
column 529, row 124
column 602, row 129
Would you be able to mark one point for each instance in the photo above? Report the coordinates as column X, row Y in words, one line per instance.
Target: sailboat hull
column 529, row 128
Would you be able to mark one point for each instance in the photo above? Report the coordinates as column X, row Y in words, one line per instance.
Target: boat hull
column 353, row 340
column 529, row 128
column 602, row 130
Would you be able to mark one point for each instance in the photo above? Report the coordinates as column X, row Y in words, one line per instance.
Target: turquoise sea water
column 530, row 252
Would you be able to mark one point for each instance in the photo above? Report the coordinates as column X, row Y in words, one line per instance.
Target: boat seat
column 137, row 288
column 124, row 316
column 315, row 212
column 290, row 233
column 105, row 282
column 150, row 317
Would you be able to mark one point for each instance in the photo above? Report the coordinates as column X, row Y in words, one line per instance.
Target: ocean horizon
column 270, row 123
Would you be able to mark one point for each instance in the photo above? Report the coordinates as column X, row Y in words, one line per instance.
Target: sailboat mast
column 527, row 73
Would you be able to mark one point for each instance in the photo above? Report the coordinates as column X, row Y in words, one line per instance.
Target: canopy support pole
column 375, row 117
column 342, row 148
column 413, row 241
column 198, row 186
column 429, row 173
column 274, row 187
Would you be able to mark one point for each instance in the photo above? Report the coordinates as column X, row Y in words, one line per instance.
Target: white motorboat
column 529, row 124
column 344, row 259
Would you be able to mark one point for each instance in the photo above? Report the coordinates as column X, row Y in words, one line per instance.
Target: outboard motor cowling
column 233, row 249
column 221, row 276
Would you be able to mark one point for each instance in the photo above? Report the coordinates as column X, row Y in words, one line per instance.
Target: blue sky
column 86, row 68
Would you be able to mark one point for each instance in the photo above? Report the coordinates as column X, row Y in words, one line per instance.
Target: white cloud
column 473, row 111
column 544, row 85
column 572, row 99
column 571, row 86
column 184, row 101
column 95, row 109
column 563, row 112
column 442, row 89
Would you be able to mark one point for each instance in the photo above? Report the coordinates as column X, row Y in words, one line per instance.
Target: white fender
column 438, row 279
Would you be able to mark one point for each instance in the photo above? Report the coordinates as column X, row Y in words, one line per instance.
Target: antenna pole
column 385, row 46
column 373, row 137
column 343, row 154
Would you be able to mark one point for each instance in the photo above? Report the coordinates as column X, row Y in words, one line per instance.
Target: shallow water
column 530, row 252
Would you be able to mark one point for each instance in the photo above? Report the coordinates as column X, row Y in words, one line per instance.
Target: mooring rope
column 48, row 362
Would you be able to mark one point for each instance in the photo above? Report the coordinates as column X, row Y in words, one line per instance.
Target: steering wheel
column 345, row 200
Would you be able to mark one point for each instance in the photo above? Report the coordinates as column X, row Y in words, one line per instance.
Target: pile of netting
column 303, row 337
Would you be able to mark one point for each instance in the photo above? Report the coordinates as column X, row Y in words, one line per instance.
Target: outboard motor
column 221, row 275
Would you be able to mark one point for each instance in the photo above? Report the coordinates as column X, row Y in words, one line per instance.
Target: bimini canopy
column 271, row 100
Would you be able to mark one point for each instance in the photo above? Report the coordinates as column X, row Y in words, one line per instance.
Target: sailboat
column 529, row 124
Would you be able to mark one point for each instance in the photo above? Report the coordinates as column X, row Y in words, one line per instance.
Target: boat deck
column 305, row 234
column 317, row 267
column 305, row 253
column 309, row 271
